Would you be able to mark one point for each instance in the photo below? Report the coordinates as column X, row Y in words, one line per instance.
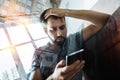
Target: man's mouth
column 60, row 39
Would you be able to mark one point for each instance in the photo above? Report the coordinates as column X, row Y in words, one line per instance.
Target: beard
column 59, row 41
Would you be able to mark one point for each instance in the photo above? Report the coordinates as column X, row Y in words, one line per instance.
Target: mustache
column 60, row 37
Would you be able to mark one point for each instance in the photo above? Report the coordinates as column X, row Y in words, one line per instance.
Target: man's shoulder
column 41, row 49
column 74, row 36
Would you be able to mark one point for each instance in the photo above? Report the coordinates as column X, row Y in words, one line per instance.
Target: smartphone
column 72, row 57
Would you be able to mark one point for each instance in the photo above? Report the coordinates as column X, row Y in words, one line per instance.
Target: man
column 49, row 60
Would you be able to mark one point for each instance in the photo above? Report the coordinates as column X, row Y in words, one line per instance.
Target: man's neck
column 54, row 47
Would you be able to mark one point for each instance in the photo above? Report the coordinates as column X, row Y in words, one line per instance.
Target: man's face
column 56, row 30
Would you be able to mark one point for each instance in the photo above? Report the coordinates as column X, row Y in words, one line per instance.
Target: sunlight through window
column 36, row 31
column 18, row 34
column 41, row 42
column 3, row 39
column 25, row 53
column 8, row 70
column 24, row 38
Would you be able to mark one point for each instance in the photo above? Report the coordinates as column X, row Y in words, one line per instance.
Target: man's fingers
column 74, row 70
column 67, row 69
column 55, row 12
column 80, row 66
column 68, row 72
column 77, row 65
column 61, row 64
column 48, row 13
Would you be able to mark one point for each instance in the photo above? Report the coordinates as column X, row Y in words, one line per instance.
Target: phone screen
column 72, row 57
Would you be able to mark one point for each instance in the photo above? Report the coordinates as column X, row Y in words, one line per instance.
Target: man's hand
column 56, row 12
column 63, row 72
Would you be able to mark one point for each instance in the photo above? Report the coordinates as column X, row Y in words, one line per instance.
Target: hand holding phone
column 72, row 57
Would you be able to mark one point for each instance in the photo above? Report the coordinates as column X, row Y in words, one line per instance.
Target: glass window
column 3, row 39
column 8, row 70
column 36, row 31
column 25, row 53
column 18, row 34
column 21, row 40
column 41, row 42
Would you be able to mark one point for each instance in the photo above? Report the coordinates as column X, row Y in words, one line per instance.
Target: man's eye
column 53, row 29
column 61, row 27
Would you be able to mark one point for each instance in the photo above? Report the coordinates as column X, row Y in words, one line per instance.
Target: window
column 8, row 70
column 3, row 39
column 25, row 55
column 18, row 34
column 36, row 31
column 17, row 46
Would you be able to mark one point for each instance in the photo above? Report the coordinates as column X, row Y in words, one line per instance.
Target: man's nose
column 59, row 33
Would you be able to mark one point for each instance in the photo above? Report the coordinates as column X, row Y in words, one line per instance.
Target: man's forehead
column 55, row 22
column 58, row 19
column 56, row 25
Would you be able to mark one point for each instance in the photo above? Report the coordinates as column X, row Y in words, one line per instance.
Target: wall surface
column 73, row 24
column 106, row 6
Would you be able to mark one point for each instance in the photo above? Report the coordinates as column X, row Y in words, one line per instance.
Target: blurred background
column 21, row 32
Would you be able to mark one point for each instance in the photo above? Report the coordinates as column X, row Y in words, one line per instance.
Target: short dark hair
column 42, row 17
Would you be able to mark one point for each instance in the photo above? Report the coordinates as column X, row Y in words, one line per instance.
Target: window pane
column 3, row 39
column 18, row 34
column 36, row 31
column 25, row 53
column 8, row 70
column 41, row 42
